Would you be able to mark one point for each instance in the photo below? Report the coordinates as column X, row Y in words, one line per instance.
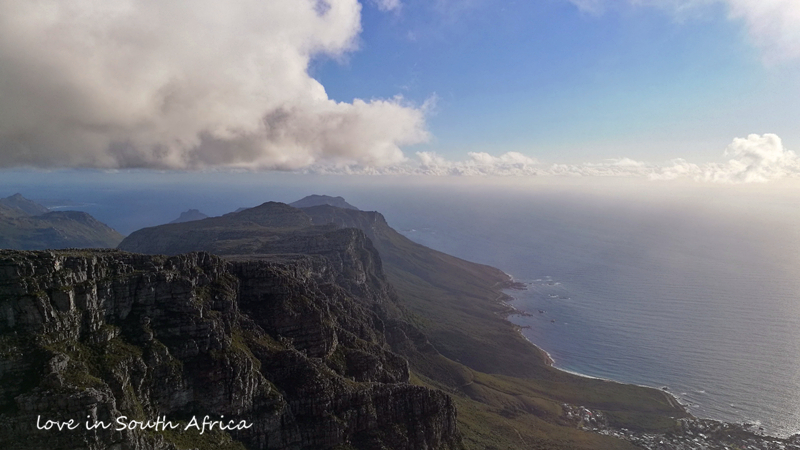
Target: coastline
column 673, row 399
column 512, row 310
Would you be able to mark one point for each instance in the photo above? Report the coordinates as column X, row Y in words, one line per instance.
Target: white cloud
column 479, row 163
column 589, row 6
column 430, row 163
column 388, row 5
column 773, row 25
column 754, row 159
column 180, row 84
column 757, row 159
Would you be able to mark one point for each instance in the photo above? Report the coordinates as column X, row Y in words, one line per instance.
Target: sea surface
column 699, row 299
column 694, row 288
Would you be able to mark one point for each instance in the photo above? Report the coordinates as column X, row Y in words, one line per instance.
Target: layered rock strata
column 300, row 347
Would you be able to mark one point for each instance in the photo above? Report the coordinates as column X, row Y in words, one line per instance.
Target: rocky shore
column 689, row 434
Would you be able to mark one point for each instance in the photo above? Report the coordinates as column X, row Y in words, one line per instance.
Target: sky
column 656, row 89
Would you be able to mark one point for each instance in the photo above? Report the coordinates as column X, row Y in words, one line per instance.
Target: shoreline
column 505, row 300
column 674, row 400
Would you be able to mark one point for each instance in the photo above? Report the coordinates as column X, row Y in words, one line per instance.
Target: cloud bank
column 754, row 159
column 773, row 25
column 187, row 85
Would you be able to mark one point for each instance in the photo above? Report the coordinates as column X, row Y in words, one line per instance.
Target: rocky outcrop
column 300, row 347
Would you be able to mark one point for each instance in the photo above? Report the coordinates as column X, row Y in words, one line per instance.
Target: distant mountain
column 465, row 283
column 453, row 310
column 19, row 206
column 246, row 231
column 322, row 325
column 190, row 215
column 27, row 225
column 319, row 200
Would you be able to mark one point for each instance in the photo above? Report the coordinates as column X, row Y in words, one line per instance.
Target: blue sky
column 663, row 89
column 560, row 84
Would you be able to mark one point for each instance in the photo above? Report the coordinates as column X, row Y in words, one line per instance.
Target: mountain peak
column 17, row 205
column 318, row 200
column 273, row 214
column 190, row 215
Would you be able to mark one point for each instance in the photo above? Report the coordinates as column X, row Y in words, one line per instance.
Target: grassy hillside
column 508, row 397
column 507, row 394
column 26, row 225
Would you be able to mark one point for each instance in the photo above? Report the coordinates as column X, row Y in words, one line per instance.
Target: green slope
column 507, row 394
column 27, row 225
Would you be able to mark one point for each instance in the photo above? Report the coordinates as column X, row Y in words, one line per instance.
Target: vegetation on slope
column 27, row 225
column 507, row 394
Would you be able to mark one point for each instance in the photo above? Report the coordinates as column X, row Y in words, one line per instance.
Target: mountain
column 190, row 215
column 318, row 200
column 281, row 343
column 27, row 225
column 249, row 231
column 458, row 290
column 324, row 327
column 19, row 206
column 453, row 315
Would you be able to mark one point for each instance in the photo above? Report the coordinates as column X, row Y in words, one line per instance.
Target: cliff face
column 298, row 346
column 467, row 322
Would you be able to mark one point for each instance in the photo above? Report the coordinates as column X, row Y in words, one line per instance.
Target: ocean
column 698, row 298
column 689, row 287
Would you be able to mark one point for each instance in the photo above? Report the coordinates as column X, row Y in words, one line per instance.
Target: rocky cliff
column 300, row 347
column 445, row 315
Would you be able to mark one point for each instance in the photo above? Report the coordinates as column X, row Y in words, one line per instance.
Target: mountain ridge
column 16, row 205
column 190, row 215
column 317, row 200
column 455, row 305
column 324, row 325
column 27, row 225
